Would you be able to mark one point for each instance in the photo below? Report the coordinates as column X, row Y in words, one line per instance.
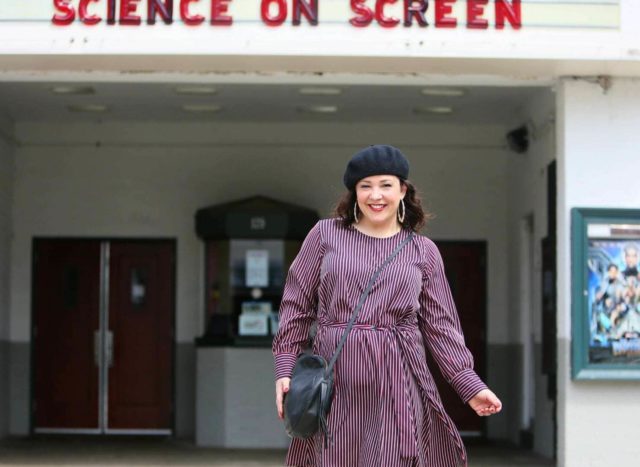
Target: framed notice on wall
column 605, row 293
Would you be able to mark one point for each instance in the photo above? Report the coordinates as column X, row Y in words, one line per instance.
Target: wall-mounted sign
column 472, row 14
column 605, row 324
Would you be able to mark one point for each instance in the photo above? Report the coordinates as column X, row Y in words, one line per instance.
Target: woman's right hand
column 282, row 387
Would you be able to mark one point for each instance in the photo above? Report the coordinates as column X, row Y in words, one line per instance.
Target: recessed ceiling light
column 88, row 108
column 320, row 91
column 433, row 110
column 201, row 108
column 443, row 92
column 319, row 109
column 198, row 90
column 72, row 90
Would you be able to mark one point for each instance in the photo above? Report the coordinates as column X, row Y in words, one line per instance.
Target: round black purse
column 308, row 401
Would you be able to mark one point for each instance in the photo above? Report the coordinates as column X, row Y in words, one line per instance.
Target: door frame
column 103, row 296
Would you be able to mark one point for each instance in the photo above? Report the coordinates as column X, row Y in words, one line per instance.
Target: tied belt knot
column 398, row 368
column 399, row 326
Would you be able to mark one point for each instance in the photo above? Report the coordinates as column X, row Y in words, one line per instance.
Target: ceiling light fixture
column 197, row 90
column 320, row 91
column 443, row 92
column 319, row 109
column 201, row 108
column 441, row 110
column 68, row 90
column 96, row 108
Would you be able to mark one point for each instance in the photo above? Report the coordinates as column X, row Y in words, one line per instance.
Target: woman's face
column 378, row 198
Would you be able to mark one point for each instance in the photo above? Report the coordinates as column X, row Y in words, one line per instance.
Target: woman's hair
column 415, row 216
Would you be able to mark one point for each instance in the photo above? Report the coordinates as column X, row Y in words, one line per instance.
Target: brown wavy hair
column 415, row 216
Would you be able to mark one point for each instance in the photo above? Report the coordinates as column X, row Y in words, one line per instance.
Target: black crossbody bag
column 308, row 401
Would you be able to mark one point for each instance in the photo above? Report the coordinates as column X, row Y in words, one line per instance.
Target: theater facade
column 162, row 160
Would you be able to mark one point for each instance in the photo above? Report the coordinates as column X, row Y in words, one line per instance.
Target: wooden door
column 141, row 303
column 465, row 269
column 66, row 305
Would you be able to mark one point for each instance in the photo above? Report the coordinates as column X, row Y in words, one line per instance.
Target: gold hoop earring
column 355, row 211
column 401, row 217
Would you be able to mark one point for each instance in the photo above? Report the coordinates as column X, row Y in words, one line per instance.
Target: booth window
column 248, row 246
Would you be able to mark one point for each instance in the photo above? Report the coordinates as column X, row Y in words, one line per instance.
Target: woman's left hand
column 485, row 403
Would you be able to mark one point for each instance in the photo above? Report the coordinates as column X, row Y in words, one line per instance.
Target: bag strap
column 362, row 299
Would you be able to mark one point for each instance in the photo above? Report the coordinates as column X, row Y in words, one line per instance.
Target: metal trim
column 87, row 431
column 134, row 431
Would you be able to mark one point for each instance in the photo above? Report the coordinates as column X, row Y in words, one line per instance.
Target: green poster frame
column 581, row 367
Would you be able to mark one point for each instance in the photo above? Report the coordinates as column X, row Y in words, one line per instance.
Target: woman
column 386, row 410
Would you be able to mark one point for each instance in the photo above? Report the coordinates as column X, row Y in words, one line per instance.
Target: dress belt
column 369, row 327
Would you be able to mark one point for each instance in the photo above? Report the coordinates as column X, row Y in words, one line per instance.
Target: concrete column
column 598, row 166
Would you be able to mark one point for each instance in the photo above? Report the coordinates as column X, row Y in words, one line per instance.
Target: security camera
column 518, row 139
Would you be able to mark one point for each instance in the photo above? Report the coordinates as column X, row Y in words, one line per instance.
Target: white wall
column 6, row 188
column 528, row 174
column 147, row 180
column 598, row 142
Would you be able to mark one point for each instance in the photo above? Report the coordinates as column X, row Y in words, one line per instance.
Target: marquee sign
column 443, row 15
column 276, row 12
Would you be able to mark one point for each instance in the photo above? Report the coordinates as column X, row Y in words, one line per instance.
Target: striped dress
column 386, row 411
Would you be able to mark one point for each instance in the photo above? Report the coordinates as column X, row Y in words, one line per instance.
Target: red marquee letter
column 84, row 15
column 383, row 20
column 218, row 10
column 308, row 8
column 157, row 6
column 511, row 11
column 277, row 19
column 68, row 13
column 186, row 17
column 365, row 14
column 128, row 12
column 111, row 11
column 443, row 8
column 417, row 9
column 475, row 10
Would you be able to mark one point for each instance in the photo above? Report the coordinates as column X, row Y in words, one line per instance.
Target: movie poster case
column 605, row 293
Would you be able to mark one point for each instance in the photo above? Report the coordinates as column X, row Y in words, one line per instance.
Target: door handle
column 96, row 348
column 109, row 336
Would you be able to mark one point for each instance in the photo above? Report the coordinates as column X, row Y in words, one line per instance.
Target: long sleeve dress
column 386, row 410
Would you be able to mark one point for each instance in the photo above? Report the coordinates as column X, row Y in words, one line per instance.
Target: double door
column 102, row 334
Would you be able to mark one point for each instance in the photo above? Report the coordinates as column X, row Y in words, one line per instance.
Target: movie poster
column 613, row 288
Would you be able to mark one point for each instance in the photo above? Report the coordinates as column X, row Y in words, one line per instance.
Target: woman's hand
column 485, row 403
column 282, row 387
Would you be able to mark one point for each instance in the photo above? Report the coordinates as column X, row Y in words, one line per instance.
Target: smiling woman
column 384, row 407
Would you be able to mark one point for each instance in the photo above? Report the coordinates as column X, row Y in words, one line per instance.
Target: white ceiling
column 34, row 101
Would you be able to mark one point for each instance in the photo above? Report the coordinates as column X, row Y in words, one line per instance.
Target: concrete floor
column 169, row 452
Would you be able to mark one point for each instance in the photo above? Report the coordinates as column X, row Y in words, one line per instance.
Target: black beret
column 379, row 159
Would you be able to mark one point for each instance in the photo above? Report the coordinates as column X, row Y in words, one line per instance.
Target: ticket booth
column 249, row 245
